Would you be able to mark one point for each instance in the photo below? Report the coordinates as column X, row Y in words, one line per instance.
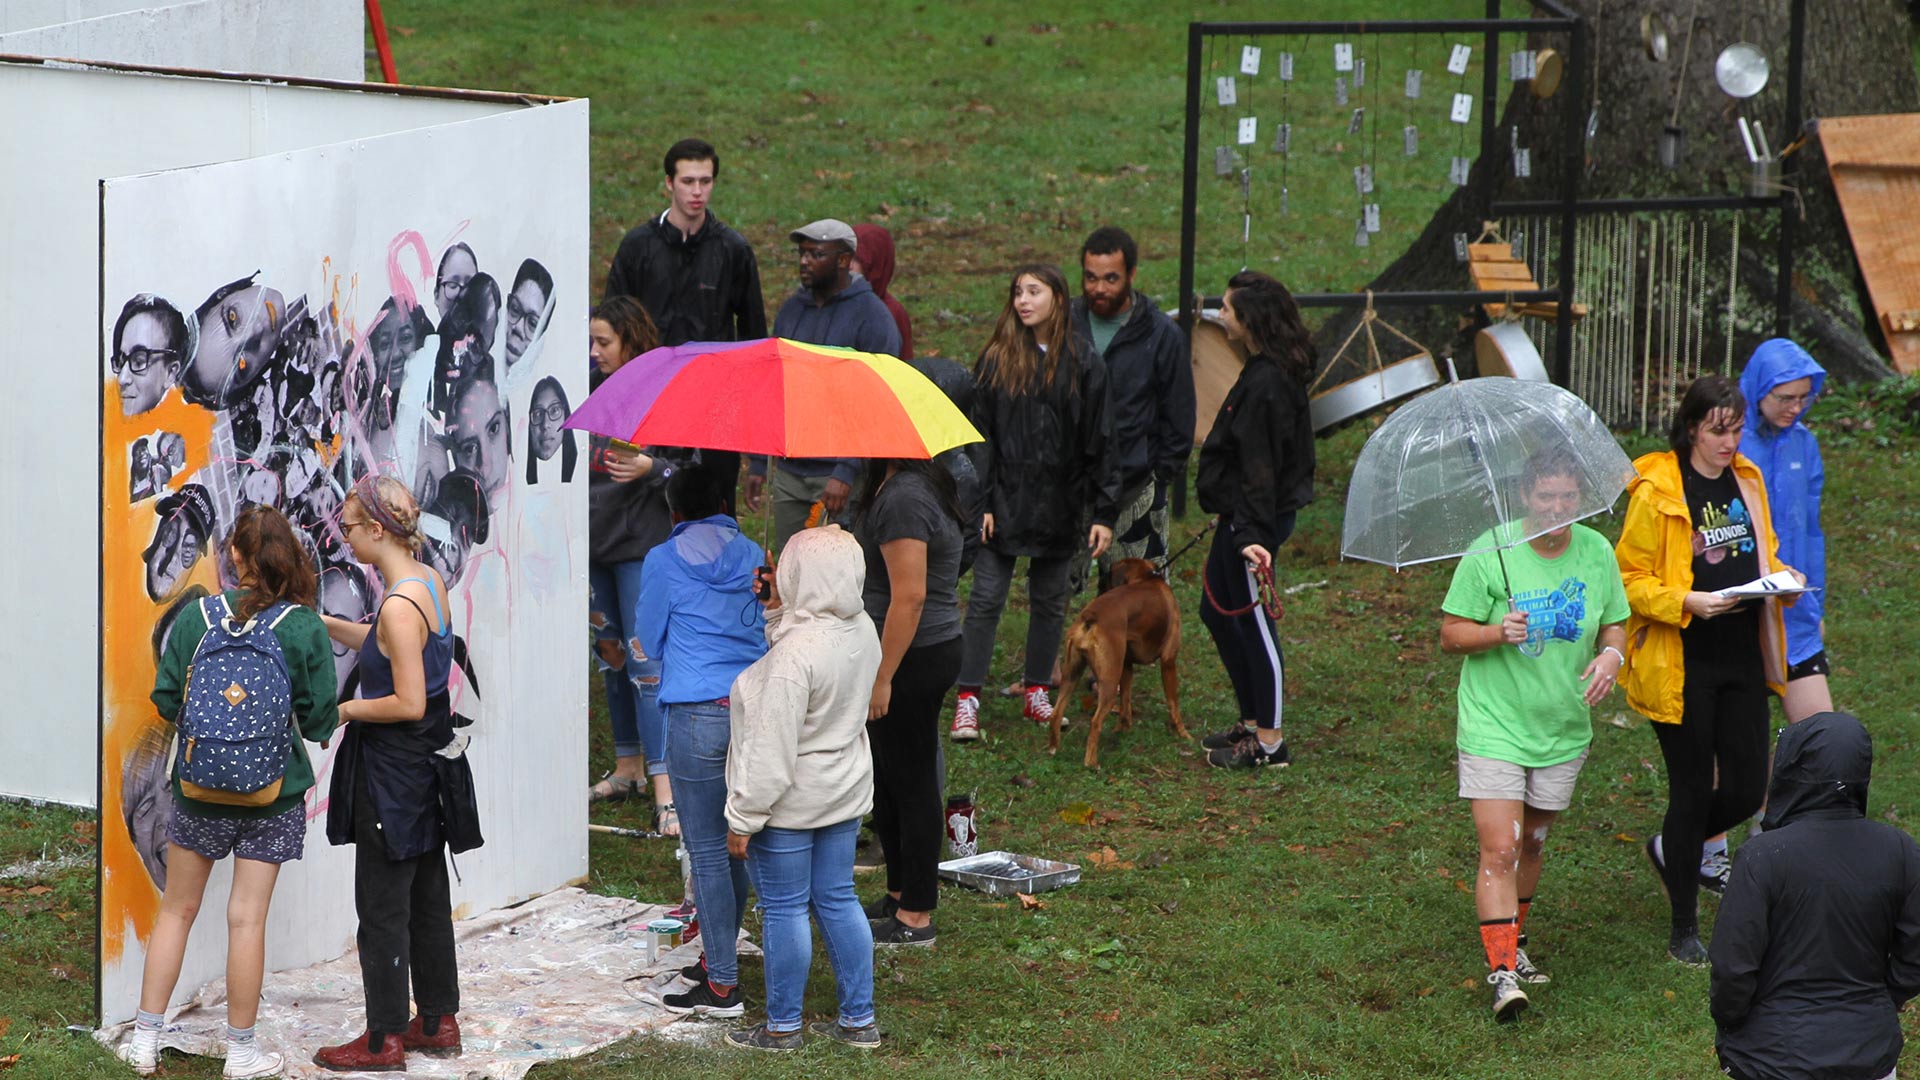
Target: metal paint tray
column 1003, row 873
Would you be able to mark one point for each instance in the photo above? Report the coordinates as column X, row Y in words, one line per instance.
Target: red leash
column 1268, row 597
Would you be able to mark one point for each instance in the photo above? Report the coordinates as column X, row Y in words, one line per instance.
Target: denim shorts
column 279, row 839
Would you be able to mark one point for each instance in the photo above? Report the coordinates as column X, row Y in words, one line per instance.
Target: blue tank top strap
column 444, row 628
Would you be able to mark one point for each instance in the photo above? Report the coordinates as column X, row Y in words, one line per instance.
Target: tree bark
column 1858, row 61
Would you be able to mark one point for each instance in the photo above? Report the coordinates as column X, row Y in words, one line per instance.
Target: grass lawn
column 1316, row 922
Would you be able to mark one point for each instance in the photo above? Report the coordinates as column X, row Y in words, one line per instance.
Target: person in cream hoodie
column 800, row 777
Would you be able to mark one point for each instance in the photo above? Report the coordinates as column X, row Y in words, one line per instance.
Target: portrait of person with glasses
column 152, row 342
column 545, row 436
column 527, row 305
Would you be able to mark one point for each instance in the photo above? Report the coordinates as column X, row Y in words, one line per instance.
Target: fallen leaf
column 1423, row 991
column 39, row 890
column 1624, row 838
column 405, row 31
column 9, row 1061
column 1107, row 859
column 1669, row 995
column 6, row 1022
column 1297, row 848
column 1466, row 984
column 1169, row 907
column 1109, row 1017
column 1029, row 902
column 1021, row 780
column 1078, row 813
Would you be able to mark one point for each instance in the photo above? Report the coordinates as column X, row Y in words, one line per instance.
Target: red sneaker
column 443, row 1044
column 1039, row 709
column 355, row 1057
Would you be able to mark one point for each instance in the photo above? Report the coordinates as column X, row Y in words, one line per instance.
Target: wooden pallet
column 1875, row 164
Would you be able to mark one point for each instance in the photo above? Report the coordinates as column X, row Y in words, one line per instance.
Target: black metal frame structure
column 1568, row 206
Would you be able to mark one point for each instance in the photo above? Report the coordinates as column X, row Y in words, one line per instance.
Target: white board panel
column 317, row 39
column 71, row 128
column 305, row 341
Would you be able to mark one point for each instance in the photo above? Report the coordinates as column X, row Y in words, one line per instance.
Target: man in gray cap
column 833, row 306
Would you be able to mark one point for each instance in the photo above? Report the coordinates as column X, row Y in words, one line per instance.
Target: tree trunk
column 1858, row 61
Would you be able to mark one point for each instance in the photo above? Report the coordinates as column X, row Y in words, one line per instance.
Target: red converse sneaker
column 966, row 718
column 1039, row 707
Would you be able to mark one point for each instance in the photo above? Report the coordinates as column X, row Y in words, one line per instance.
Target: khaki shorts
column 1548, row 788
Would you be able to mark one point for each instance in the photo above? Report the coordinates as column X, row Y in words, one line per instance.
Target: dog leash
column 1168, row 560
column 1267, row 596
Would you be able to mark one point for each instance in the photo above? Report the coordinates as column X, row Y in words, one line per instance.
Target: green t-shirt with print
column 1524, row 703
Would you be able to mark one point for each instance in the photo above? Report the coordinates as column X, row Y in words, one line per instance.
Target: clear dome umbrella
column 1444, row 476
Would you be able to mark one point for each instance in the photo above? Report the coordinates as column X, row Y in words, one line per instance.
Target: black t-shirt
column 1726, row 552
column 908, row 508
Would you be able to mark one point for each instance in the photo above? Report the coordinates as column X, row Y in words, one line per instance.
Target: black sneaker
column 758, row 1037
column 1509, row 1001
column 1686, row 949
column 1249, row 754
column 882, row 907
column 1221, row 740
column 703, row 1000
column 1715, row 871
column 891, row 931
column 696, row 972
column 860, row 1038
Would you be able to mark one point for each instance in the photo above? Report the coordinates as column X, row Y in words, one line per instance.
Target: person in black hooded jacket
column 1256, row 470
column 1818, row 940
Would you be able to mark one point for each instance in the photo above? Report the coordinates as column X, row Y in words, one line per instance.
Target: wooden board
column 1875, row 164
column 1216, row 364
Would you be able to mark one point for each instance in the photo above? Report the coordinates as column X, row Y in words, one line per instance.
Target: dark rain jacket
column 1257, row 463
column 1818, row 939
column 1047, row 462
column 1790, row 463
column 704, row 287
column 1149, row 391
column 853, row 318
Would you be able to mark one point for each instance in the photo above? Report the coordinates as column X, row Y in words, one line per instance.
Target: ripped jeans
column 632, row 678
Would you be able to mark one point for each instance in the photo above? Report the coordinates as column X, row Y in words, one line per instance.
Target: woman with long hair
column 909, row 527
column 1699, row 663
column 1256, row 471
column 402, row 791
column 274, row 582
column 1041, row 404
column 548, row 408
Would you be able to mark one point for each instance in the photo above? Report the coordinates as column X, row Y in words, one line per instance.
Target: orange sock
column 1520, row 921
column 1500, row 937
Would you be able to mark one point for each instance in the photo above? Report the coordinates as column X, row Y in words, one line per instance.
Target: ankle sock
column 1500, row 939
column 720, row 989
column 146, row 1021
column 239, row 1035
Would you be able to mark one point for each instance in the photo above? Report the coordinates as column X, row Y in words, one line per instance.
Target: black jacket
column 1818, row 939
column 1047, row 459
column 1149, row 393
column 1257, row 463
column 625, row 521
column 700, row 288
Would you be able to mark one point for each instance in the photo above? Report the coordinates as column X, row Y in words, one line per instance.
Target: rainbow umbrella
column 775, row 396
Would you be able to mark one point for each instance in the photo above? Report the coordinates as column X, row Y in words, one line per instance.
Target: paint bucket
column 663, row 935
column 962, row 838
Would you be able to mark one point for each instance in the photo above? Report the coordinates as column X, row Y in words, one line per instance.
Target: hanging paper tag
column 1283, row 138
column 1413, row 83
column 1412, row 136
column 1458, row 171
column 1462, row 108
column 1373, row 217
column 1520, row 66
column 1286, row 67
column 1359, row 118
column 1360, row 73
column 1343, row 57
column 1250, row 60
column 1249, row 130
column 1340, row 90
column 1225, row 90
column 1363, row 179
column 1360, row 237
column 1223, row 161
column 1522, row 163
column 1462, row 55
column 1460, row 247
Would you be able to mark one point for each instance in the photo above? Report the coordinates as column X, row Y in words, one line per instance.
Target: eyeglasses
column 1795, row 400
column 555, row 412
column 347, row 527
column 140, row 359
column 518, row 314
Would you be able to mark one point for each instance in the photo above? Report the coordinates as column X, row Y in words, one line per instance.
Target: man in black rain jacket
column 1818, row 940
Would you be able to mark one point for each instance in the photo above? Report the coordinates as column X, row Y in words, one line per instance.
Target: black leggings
column 1249, row 642
column 907, row 813
column 1723, row 727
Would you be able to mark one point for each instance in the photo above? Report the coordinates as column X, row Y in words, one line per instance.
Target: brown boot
column 445, row 1043
column 355, row 1057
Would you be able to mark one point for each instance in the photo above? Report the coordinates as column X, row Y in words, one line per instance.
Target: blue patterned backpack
column 236, row 718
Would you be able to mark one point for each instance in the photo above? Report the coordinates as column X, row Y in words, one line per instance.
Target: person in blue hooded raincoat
column 1781, row 383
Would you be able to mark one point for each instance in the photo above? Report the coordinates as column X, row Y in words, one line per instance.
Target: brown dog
column 1134, row 622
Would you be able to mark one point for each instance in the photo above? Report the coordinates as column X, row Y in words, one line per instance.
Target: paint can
column 962, row 838
column 663, row 935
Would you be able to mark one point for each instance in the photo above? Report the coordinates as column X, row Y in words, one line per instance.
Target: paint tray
column 1003, row 873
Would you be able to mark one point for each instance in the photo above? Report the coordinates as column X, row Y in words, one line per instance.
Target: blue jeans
column 697, row 736
column 633, row 688
column 797, row 871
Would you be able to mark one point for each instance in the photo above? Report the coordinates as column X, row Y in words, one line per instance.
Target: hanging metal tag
column 1521, row 66
column 1412, row 136
column 1518, row 245
column 1457, row 172
column 1363, row 179
column 1359, row 72
column 1283, row 202
column 1226, row 91
column 1461, row 57
column 1343, row 56
column 1522, row 163
column 1223, row 161
column 1286, row 67
column 1462, row 108
column 1282, row 138
column 1249, row 130
column 1340, row 90
column 1246, row 183
column 1359, row 119
column 1360, row 235
column 1250, row 60
column 1413, row 83
column 1373, row 217
column 1460, row 253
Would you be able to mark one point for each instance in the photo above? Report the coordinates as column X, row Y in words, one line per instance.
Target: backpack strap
column 286, row 610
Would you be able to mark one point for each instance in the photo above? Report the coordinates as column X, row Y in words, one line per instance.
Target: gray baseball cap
column 824, row 231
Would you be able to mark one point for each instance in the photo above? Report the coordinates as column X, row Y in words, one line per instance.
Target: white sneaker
column 966, row 718
column 1524, row 970
column 142, row 1051
column 1509, row 1000
column 246, row 1061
